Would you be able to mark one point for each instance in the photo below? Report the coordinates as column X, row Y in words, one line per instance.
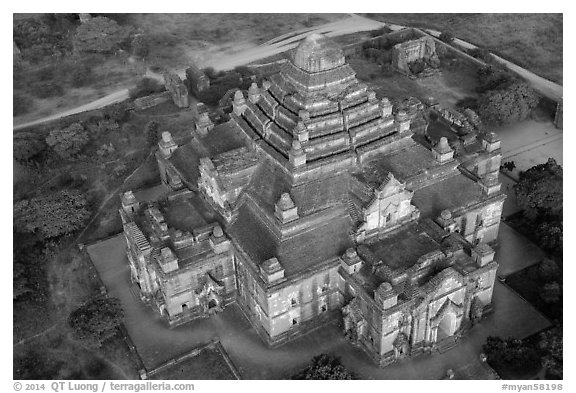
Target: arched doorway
column 212, row 303
column 446, row 327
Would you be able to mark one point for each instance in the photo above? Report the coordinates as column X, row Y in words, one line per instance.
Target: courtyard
column 156, row 342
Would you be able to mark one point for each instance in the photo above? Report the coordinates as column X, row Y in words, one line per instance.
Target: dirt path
column 112, row 194
column 547, row 88
column 352, row 24
column 27, row 339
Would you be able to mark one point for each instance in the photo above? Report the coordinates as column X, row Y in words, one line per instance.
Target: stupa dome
column 318, row 53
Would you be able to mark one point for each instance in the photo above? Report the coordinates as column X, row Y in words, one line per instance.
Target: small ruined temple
column 423, row 49
column 316, row 201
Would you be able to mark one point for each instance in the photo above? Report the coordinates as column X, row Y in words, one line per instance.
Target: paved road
column 157, row 343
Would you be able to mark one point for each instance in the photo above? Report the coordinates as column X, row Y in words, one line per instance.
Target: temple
column 317, row 200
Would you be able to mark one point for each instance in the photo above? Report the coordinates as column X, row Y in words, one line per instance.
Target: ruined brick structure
column 559, row 115
column 177, row 88
column 403, row 54
column 196, row 80
column 330, row 205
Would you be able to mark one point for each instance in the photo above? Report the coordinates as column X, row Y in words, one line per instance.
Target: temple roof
column 317, row 53
column 449, row 194
column 297, row 253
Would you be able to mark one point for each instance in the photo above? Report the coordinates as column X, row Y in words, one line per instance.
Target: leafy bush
column 146, row 87
column 101, row 35
column 507, row 105
column 51, row 215
column 69, row 141
column 27, row 145
column 446, row 37
column 492, row 78
column 467, row 102
column 511, row 354
column 116, row 112
column 539, row 190
column 551, row 292
column 97, row 321
column 140, row 46
column 102, row 126
column 481, row 54
column 548, row 270
column 324, row 367
column 551, row 343
column 151, row 132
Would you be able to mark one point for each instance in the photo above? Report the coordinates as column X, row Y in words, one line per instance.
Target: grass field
column 533, row 41
column 451, row 85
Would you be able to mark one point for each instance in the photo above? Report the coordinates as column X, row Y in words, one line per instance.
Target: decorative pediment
column 390, row 186
column 400, row 341
column 445, row 281
column 448, row 307
column 211, row 285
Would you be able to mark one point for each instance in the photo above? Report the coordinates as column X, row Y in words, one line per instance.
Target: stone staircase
column 354, row 214
column 446, row 344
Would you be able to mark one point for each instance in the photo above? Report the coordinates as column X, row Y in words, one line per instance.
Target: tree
column 117, row 112
column 51, row 215
column 492, row 78
column 324, row 367
column 481, row 54
column 27, row 145
column 69, row 141
column 551, row 342
column 140, row 46
column 548, row 270
column 507, row 105
column 100, row 35
column 151, row 132
column 446, row 37
column 97, row 321
column 549, row 235
column 511, row 354
column 146, row 87
column 103, row 126
column 551, row 292
column 539, row 190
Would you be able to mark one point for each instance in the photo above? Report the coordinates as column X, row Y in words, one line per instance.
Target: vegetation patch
column 325, row 367
column 533, row 41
